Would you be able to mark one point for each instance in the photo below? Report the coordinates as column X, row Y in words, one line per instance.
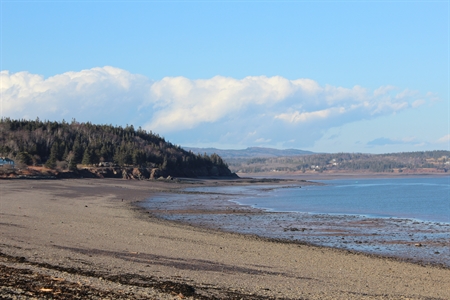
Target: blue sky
column 325, row 76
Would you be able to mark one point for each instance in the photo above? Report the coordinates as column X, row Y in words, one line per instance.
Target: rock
column 125, row 174
column 155, row 173
column 137, row 174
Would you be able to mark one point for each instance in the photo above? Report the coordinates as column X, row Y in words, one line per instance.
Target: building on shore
column 6, row 161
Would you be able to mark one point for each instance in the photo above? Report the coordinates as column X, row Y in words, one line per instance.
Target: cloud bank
column 249, row 111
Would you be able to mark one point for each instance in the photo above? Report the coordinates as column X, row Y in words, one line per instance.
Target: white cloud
column 383, row 90
column 305, row 117
column 444, row 139
column 188, row 103
column 433, row 97
column 409, row 139
column 406, row 94
column 92, row 94
column 418, row 103
column 261, row 141
column 270, row 108
column 335, row 94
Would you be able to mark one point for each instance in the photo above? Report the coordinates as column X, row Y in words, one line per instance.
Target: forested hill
column 406, row 162
column 64, row 146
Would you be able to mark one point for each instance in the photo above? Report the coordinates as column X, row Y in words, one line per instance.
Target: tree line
column 389, row 162
column 65, row 145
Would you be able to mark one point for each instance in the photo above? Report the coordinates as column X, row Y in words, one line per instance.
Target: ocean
column 424, row 199
column 407, row 218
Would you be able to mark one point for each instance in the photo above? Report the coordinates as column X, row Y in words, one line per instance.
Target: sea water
column 425, row 198
column 408, row 218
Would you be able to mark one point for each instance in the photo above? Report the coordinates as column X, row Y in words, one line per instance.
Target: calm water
column 426, row 199
column 407, row 218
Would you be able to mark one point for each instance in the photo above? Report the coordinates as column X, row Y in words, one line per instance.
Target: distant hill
column 70, row 146
column 250, row 152
column 437, row 161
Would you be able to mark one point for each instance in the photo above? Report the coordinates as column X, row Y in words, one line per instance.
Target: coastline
column 418, row 241
column 340, row 175
column 90, row 233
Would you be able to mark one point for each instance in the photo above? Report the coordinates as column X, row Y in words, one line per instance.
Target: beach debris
column 294, row 229
column 46, row 290
column 57, row 279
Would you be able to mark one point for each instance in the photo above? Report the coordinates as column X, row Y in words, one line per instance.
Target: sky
column 323, row 76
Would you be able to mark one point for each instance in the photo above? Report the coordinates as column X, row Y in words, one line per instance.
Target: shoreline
column 405, row 239
column 413, row 261
column 89, row 235
column 340, row 175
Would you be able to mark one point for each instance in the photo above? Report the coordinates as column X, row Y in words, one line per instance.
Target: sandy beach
column 87, row 239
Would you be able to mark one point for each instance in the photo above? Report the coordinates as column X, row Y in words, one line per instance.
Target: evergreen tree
column 51, row 161
column 72, row 162
column 24, row 158
column 87, row 157
column 104, row 155
column 165, row 164
column 77, row 150
column 118, row 157
column 66, row 153
column 29, row 141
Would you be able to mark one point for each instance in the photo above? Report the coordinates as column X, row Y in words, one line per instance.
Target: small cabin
column 6, row 161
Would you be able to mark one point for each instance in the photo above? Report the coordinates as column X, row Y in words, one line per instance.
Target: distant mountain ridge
column 250, row 152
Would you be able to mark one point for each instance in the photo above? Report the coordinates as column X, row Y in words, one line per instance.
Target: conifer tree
column 30, row 141
column 66, row 153
column 87, row 157
column 51, row 161
column 72, row 162
column 77, row 151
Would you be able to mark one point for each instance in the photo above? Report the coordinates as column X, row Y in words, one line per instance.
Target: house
column 6, row 161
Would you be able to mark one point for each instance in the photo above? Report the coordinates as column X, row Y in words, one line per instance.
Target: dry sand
column 88, row 233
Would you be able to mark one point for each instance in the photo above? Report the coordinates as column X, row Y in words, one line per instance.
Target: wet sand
column 405, row 239
column 91, row 235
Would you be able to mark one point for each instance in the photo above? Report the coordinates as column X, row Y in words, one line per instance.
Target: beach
column 89, row 238
column 344, row 214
